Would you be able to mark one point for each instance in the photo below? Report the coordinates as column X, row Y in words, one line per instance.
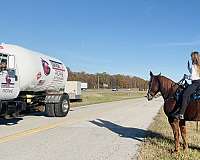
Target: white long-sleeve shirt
column 194, row 75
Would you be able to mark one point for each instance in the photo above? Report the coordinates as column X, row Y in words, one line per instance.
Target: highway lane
column 97, row 132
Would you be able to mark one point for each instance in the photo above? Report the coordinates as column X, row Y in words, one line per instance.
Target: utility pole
column 98, row 82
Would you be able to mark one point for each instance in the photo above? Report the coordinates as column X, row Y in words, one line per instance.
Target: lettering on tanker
column 7, row 90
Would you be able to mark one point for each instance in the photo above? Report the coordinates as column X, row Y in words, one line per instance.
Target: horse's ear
column 160, row 74
column 151, row 74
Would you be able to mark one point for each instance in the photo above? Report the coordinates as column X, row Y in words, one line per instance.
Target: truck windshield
column 3, row 62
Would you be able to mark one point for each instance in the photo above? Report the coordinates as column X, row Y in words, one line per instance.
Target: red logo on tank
column 46, row 67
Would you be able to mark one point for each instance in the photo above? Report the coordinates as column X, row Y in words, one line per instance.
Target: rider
column 195, row 77
column 3, row 65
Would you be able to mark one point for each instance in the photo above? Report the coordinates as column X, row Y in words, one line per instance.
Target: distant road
column 107, row 131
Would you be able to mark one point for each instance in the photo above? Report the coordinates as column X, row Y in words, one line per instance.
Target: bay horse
column 168, row 89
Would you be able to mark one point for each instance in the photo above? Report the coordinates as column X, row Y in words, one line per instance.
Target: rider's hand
column 185, row 76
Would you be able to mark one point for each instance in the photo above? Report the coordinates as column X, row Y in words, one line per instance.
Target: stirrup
column 178, row 116
column 181, row 116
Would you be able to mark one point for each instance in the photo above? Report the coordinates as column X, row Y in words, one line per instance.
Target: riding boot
column 181, row 112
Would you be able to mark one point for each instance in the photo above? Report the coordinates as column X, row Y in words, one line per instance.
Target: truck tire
column 62, row 108
column 49, row 110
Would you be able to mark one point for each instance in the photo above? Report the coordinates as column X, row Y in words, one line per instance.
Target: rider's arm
column 189, row 68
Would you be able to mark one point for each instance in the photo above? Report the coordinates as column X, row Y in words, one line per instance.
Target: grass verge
column 159, row 142
column 94, row 96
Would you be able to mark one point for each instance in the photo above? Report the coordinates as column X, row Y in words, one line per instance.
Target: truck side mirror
column 11, row 62
column 16, row 78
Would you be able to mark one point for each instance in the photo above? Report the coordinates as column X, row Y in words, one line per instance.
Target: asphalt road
column 108, row 131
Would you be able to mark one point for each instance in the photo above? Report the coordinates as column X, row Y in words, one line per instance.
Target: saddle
column 179, row 93
column 196, row 94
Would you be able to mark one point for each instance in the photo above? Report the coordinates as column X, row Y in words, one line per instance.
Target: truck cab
column 9, row 85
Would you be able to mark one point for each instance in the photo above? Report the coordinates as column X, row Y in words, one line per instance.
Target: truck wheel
column 49, row 110
column 62, row 108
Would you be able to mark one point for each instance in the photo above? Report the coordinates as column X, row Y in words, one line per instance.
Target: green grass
column 159, row 143
column 101, row 96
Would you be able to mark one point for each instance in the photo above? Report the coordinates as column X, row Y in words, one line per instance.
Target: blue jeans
column 187, row 94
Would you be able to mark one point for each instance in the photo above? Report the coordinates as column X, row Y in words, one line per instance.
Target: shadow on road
column 10, row 122
column 13, row 121
column 136, row 133
column 126, row 132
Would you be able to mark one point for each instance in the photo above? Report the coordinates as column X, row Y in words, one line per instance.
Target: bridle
column 166, row 97
column 149, row 93
column 150, row 87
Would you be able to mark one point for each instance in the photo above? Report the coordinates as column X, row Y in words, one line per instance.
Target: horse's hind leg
column 175, row 127
column 182, row 126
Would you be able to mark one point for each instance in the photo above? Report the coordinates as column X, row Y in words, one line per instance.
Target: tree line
column 105, row 80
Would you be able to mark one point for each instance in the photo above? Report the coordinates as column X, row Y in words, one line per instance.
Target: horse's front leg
column 183, row 134
column 175, row 127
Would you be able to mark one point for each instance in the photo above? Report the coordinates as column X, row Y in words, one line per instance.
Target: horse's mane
column 168, row 85
column 166, row 79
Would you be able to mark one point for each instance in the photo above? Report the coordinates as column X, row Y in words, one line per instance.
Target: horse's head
column 154, row 86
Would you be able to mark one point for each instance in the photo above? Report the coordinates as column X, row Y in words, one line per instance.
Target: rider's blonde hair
column 196, row 60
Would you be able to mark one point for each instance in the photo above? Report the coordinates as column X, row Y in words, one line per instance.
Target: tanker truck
column 31, row 81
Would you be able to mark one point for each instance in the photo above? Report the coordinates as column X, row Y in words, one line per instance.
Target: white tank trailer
column 31, row 81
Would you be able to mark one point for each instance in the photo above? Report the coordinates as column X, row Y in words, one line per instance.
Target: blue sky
column 116, row 36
